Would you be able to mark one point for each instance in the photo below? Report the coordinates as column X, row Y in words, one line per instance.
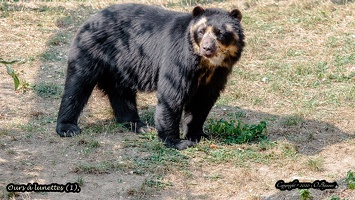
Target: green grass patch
column 315, row 164
column 58, row 39
column 47, row 90
column 51, row 55
column 235, row 132
column 99, row 167
column 292, row 120
column 157, row 183
column 288, row 150
column 106, row 127
column 262, row 152
column 90, row 145
column 31, row 127
column 156, row 155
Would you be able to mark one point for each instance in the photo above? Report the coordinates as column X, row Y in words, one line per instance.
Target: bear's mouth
column 208, row 53
column 214, row 59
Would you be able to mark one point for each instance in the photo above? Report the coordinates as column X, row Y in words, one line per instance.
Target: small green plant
column 232, row 132
column 17, row 83
column 155, row 183
column 350, row 179
column 288, row 150
column 80, row 181
column 11, row 72
column 334, row 197
column 305, row 194
column 315, row 164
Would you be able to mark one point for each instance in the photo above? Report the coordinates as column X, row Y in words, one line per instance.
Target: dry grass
column 297, row 73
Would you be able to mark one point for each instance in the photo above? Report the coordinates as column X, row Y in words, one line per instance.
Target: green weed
column 80, row 181
column 11, row 72
column 350, row 179
column 305, row 194
column 334, row 197
column 23, row 85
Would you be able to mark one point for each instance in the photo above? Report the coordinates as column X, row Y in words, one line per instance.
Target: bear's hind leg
column 123, row 103
column 77, row 91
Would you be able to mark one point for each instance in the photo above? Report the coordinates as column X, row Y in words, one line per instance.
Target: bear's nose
column 208, row 45
column 208, row 49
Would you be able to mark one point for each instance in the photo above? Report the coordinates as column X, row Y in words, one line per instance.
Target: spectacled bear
column 185, row 57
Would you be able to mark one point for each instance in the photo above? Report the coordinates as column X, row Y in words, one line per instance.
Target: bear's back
column 129, row 40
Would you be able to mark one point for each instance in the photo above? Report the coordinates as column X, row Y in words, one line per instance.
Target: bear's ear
column 236, row 14
column 198, row 10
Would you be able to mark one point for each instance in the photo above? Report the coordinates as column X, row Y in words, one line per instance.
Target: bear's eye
column 201, row 32
column 219, row 33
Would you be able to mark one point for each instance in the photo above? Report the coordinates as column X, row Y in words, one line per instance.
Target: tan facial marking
column 209, row 29
column 209, row 32
column 228, row 50
column 229, row 28
column 200, row 22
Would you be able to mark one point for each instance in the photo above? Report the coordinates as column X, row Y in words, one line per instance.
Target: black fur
column 130, row 47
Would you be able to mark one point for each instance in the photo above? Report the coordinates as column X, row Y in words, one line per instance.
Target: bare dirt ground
column 297, row 74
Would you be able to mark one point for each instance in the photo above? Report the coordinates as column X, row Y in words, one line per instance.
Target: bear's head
column 217, row 36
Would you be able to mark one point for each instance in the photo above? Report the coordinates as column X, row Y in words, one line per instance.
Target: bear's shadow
column 308, row 136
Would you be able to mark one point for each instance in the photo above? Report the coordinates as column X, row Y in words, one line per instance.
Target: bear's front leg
column 172, row 93
column 200, row 103
column 196, row 112
column 167, row 124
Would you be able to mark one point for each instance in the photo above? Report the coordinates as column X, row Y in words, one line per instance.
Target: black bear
column 185, row 57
